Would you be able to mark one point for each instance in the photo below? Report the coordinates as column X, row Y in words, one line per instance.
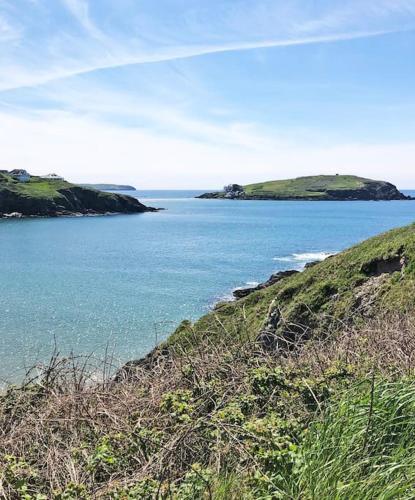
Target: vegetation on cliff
column 319, row 187
column 304, row 389
column 43, row 197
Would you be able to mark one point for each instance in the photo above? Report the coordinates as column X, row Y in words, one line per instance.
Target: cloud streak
column 175, row 53
column 80, row 10
column 8, row 32
column 147, row 34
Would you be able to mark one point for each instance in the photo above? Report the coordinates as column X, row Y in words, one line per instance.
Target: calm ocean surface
column 124, row 281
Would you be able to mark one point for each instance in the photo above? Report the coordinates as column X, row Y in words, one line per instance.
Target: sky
column 195, row 94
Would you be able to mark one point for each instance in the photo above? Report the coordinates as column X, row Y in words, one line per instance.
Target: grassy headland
column 319, row 187
column 43, row 197
column 304, row 389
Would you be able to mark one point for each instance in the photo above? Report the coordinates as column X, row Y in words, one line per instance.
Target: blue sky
column 195, row 94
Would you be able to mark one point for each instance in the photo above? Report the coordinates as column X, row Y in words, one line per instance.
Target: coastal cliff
column 313, row 188
column 52, row 198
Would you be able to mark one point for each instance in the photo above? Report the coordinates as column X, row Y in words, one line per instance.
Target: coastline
column 19, row 215
column 149, row 360
column 130, row 236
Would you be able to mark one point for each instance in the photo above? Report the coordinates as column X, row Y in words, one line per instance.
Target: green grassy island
column 24, row 195
column 319, row 187
column 110, row 187
column 302, row 389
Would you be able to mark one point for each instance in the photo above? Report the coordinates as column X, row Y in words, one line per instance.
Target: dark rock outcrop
column 130, row 370
column 234, row 191
column 240, row 293
column 312, row 264
column 374, row 190
column 388, row 265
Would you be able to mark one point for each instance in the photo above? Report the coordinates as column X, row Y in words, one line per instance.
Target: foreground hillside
column 320, row 187
column 42, row 197
column 303, row 389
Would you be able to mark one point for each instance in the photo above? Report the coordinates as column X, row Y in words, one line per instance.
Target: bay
column 123, row 283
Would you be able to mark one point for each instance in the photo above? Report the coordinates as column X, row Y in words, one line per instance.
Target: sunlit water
column 124, row 282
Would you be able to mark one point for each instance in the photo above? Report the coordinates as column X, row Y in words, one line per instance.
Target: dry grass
column 385, row 346
column 160, row 418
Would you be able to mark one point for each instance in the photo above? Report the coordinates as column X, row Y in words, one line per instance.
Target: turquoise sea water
column 125, row 282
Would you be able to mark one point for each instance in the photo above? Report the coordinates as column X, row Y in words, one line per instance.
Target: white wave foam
column 312, row 256
column 305, row 257
column 252, row 283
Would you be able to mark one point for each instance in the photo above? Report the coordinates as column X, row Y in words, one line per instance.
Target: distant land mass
column 24, row 195
column 318, row 187
column 109, row 187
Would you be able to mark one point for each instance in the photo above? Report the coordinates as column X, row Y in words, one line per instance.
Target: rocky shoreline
column 351, row 196
column 87, row 213
column 241, row 293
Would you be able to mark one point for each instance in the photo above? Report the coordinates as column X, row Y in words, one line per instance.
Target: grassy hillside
column 228, row 409
column 36, row 187
column 319, row 187
column 315, row 186
column 374, row 277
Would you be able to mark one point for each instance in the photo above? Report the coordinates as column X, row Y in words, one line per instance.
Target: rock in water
column 240, row 293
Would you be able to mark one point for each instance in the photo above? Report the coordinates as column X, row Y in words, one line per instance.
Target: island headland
column 313, row 188
column 24, row 195
column 110, row 187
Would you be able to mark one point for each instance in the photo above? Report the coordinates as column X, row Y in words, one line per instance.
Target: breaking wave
column 305, row 257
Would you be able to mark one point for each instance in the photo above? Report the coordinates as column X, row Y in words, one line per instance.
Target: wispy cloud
column 170, row 54
column 146, row 34
column 80, row 10
column 8, row 32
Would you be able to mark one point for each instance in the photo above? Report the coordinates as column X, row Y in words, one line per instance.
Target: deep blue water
column 123, row 281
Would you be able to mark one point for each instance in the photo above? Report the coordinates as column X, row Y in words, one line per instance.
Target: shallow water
column 125, row 282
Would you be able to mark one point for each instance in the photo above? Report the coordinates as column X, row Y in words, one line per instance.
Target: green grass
column 36, row 187
column 363, row 448
column 303, row 187
column 320, row 298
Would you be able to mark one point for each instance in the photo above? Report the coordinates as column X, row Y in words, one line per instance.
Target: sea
column 121, row 284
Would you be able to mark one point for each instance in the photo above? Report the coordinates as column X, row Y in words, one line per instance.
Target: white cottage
column 52, row 177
